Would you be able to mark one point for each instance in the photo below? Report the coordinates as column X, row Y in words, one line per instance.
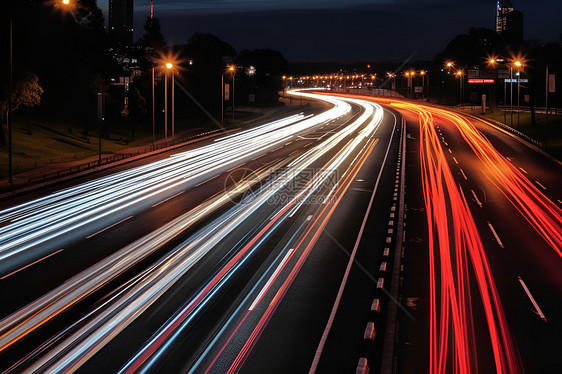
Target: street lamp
column 423, row 73
column 232, row 69
column 493, row 61
column 518, row 64
column 407, row 74
column 460, row 74
column 168, row 67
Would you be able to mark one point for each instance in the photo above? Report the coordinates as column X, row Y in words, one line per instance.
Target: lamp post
column 493, row 61
column 460, row 74
column 511, row 95
column 153, row 93
column 222, row 99
column 173, row 105
column 153, row 112
column 423, row 73
column 518, row 64
column 10, row 93
column 407, row 84
column 233, row 71
column 168, row 67
column 504, row 101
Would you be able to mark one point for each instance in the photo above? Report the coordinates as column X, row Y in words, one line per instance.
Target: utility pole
column 511, row 96
column 153, row 93
column 546, row 110
column 173, row 105
column 10, row 130
column 222, row 99
column 153, row 112
column 166, row 107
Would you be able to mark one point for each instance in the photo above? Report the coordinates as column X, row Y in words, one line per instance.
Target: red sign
column 480, row 81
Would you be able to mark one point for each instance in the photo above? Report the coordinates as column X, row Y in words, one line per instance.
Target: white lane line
column 537, row 308
column 540, row 185
column 523, row 170
column 464, row 175
column 335, row 307
column 170, row 198
column 495, row 234
column 476, row 198
column 208, row 180
column 450, row 150
column 560, row 201
column 255, row 158
column 307, row 144
column 509, row 158
column 33, row 263
column 271, row 279
column 456, row 162
column 108, row 227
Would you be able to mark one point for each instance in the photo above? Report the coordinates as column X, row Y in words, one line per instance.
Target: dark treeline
column 62, row 59
column 474, row 50
column 467, row 51
column 68, row 53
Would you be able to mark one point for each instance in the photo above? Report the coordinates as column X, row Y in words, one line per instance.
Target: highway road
column 483, row 255
column 185, row 263
column 380, row 232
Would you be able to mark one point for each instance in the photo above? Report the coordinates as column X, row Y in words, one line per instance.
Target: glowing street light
column 518, row 64
column 169, row 67
column 460, row 74
column 423, row 73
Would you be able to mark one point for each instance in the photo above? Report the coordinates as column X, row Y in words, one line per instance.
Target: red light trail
column 455, row 249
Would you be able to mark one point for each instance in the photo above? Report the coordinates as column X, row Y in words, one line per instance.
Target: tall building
column 121, row 22
column 503, row 8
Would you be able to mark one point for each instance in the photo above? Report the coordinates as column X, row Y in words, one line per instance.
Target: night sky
column 338, row 30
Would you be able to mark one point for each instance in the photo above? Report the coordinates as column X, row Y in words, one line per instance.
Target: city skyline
column 346, row 29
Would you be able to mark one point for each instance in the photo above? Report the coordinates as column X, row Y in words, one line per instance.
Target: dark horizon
column 348, row 34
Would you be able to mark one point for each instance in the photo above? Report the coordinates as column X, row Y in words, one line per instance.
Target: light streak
column 110, row 318
column 36, row 222
column 454, row 246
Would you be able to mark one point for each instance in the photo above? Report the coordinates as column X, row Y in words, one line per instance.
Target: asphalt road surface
column 483, row 254
column 187, row 262
column 378, row 232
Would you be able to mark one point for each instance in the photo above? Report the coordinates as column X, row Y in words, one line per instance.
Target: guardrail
column 526, row 109
column 68, row 171
column 514, row 131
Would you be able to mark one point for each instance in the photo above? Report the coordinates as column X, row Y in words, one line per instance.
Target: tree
column 153, row 37
column 266, row 81
column 209, row 55
column 27, row 93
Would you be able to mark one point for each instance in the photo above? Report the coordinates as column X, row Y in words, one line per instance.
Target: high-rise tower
column 503, row 8
column 121, row 22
